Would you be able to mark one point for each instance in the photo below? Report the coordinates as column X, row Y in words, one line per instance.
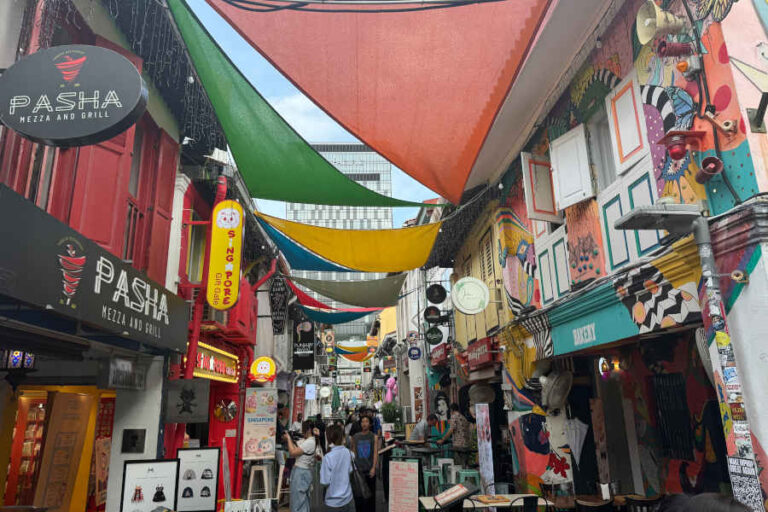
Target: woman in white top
column 301, row 474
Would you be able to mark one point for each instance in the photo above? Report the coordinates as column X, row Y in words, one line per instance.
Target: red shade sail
column 421, row 87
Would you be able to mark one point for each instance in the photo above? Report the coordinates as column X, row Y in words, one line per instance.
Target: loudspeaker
column 710, row 166
column 653, row 21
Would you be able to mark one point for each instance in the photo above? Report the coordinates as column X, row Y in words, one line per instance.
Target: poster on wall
column 485, row 448
column 102, row 449
column 403, row 486
column 65, row 434
column 186, row 400
column 149, row 484
column 199, row 479
column 298, row 404
column 418, row 403
column 259, row 423
column 303, row 346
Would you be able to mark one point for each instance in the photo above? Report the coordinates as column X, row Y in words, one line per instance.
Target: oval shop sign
column 72, row 95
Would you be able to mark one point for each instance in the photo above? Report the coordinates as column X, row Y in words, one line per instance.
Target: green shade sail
column 274, row 160
column 372, row 293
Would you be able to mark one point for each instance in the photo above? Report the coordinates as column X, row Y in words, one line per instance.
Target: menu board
column 63, row 448
column 149, row 484
column 403, row 486
column 199, row 479
column 485, row 447
column 259, row 423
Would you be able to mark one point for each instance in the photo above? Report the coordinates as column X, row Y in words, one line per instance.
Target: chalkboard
column 278, row 297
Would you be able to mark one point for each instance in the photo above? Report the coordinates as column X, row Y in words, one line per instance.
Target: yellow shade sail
column 375, row 250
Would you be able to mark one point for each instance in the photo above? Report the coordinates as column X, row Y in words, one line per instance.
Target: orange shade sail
column 421, row 87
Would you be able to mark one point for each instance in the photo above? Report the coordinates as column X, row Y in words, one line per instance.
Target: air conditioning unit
column 209, row 314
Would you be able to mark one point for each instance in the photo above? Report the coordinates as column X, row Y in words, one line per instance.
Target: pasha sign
column 65, row 272
column 225, row 255
column 72, row 95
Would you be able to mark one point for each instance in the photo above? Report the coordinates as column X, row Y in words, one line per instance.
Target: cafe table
column 569, row 502
column 512, row 501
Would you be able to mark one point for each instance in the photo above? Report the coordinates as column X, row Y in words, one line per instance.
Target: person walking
column 365, row 447
column 302, row 472
column 459, row 430
column 335, row 471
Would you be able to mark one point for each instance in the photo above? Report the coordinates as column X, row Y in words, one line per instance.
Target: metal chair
column 432, row 482
column 638, row 504
column 597, row 506
column 530, row 503
column 469, row 474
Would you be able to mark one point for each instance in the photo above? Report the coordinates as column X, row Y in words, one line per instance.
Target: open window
column 572, row 174
column 627, row 122
column 539, row 191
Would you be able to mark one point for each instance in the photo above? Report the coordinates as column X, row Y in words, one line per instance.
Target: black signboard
column 52, row 266
column 278, row 297
column 432, row 314
column 72, row 95
column 436, row 294
column 303, row 342
column 433, row 335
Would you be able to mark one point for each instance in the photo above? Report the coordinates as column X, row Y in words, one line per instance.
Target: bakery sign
column 215, row 364
column 67, row 273
column 72, row 95
column 225, row 255
column 480, row 353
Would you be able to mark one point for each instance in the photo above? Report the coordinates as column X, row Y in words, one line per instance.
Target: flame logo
column 70, row 68
column 71, row 266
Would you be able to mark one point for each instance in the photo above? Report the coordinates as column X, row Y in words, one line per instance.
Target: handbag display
column 360, row 487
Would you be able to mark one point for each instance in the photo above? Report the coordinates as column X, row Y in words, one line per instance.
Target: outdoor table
column 569, row 502
column 428, row 502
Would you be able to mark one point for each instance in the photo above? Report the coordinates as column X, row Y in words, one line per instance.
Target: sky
column 305, row 117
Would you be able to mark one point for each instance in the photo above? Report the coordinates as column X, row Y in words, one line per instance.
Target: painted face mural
column 518, row 261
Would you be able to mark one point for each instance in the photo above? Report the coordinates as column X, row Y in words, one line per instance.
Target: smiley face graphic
column 228, row 218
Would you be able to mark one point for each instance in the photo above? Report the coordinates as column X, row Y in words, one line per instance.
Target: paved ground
column 381, row 503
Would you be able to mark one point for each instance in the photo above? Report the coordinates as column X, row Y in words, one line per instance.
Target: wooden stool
column 398, row 452
column 263, row 480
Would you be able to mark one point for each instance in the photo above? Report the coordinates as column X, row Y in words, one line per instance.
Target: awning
column 377, row 293
column 332, row 318
column 420, row 84
column 298, row 257
column 274, row 160
column 372, row 250
column 307, row 300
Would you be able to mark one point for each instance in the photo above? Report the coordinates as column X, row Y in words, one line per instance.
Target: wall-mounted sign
column 439, row 355
column 215, row 364
column 186, row 400
column 303, row 341
column 436, row 294
column 432, row 314
column 372, row 341
column 412, row 337
column 389, row 365
column 433, row 335
column 367, row 365
column 225, row 255
column 263, row 369
column 278, row 302
column 480, row 353
column 72, row 95
column 70, row 275
column 122, row 373
column 470, row 296
column 414, row 353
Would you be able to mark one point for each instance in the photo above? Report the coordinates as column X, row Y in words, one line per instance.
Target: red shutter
column 160, row 228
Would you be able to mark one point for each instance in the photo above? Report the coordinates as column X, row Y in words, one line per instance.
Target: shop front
column 83, row 342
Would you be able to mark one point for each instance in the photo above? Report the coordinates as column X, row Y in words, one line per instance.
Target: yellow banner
column 370, row 250
column 225, row 255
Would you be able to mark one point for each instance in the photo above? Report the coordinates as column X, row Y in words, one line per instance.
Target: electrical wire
column 391, row 6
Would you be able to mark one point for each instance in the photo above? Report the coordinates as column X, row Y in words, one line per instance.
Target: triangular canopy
column 370, row 250
column 370, row 293
column 298, row 257
column 325, row 317
column 274, row 160
column 421, row 85
column 307, row 300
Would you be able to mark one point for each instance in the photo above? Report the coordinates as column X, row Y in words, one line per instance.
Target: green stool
column 398, row 452
column 413, row 460
column 469, row 474
column 432, row 482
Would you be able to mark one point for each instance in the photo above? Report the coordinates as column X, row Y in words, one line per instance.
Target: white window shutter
column 571, row 172
column 539, row 194
column 552, row 265
column 627, row 121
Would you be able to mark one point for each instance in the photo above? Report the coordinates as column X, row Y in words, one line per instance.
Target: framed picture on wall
column 149, row 484
column 198, row 479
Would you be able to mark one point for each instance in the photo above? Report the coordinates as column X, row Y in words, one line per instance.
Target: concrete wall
column 11, row 12
column 135, row 410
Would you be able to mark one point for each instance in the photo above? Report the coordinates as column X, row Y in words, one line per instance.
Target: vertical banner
column 65, row 436
column 418, row 404
column 485, row 448
column 259, row 423
column 298, row 403
column 278, row 297
column 225, row 255
column 403, row 486
column 303, row 346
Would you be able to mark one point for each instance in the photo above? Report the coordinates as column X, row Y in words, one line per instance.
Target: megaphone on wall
column 653, row 21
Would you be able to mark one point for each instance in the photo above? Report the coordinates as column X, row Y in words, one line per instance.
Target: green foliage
column 390, row 412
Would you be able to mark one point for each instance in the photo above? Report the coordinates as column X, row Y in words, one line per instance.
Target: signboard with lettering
column 121, row 373
column 225, row 255
column 439, row 355
column 480, row 353
column 303, row 346
column 69, row 274
column 259, row 423
column 433, row 335
column 72, row 95
column 403, row 486
column 215, row 364
column 278, row 297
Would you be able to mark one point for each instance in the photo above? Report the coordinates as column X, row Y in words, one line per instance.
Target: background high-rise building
column 365, row 166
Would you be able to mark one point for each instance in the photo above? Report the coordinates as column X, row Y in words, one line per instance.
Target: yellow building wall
column 387, row 323
column 474, row 256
